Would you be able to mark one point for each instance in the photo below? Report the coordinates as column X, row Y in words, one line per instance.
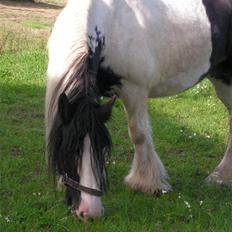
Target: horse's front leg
column 147, row 172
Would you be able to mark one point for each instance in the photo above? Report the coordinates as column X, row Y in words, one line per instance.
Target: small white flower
column 190, row 136
column 114, row 162
column 207, row 136
column 164, row 191
column 187, row 204
column 7, row 219
column 201, row 202
column 194, row 134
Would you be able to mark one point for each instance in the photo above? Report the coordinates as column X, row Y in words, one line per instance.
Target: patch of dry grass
column 55, row 2
column 14, row 39
column 26, row 26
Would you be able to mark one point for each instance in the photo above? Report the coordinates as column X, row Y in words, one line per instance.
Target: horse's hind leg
column 147, row 172
column 223, row 172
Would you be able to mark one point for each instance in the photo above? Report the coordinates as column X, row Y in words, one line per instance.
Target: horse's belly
column 178, row 83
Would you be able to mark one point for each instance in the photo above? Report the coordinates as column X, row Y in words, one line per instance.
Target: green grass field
column 190, row 133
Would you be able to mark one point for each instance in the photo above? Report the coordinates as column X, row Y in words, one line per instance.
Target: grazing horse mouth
column 67, row 181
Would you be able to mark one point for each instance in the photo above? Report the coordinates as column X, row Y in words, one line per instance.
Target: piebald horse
column 135, row 50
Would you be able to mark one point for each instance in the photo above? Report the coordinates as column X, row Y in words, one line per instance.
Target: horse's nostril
column 83, row 216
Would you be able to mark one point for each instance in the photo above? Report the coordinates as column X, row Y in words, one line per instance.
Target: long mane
column 83, row 84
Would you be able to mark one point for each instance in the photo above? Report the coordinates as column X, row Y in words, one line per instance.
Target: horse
column 133, row 50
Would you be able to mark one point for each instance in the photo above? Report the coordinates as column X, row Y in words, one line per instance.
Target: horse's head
column 79, row 144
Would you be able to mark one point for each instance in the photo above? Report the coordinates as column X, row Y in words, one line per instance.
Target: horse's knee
column 137, row 136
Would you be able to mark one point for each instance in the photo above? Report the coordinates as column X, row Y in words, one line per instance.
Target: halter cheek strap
column 75, row 185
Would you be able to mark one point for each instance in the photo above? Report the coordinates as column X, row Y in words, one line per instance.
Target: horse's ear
column 64, row 108
column 106, row 109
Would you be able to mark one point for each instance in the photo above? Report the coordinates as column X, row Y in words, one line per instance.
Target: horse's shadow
column 188, row 161
column 173, row 140
column 188, row 158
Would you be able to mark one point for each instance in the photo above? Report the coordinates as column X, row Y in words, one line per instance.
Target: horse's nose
column 86, row 212
column 83, row 211
column 84, row 216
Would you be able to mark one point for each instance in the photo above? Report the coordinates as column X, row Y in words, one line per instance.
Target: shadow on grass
column 172, row 145
column 186, row 160
column 21, row 94
column 172, row 138
column 188, row 163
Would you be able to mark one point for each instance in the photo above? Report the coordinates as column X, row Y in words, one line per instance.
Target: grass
column 36, row 25
column 13, row 41
column 190, row 133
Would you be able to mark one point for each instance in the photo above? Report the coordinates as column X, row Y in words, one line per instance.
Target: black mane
column 66, row 141
column 78, row 113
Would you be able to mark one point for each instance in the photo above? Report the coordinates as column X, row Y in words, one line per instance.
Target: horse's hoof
column 217, row 178
column 141, row 185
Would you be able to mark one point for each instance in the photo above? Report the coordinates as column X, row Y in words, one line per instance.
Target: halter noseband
column 75, row 185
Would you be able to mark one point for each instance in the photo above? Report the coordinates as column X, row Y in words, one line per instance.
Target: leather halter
column 75, row 185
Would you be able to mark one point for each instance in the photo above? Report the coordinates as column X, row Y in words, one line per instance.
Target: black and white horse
column 133, row 49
